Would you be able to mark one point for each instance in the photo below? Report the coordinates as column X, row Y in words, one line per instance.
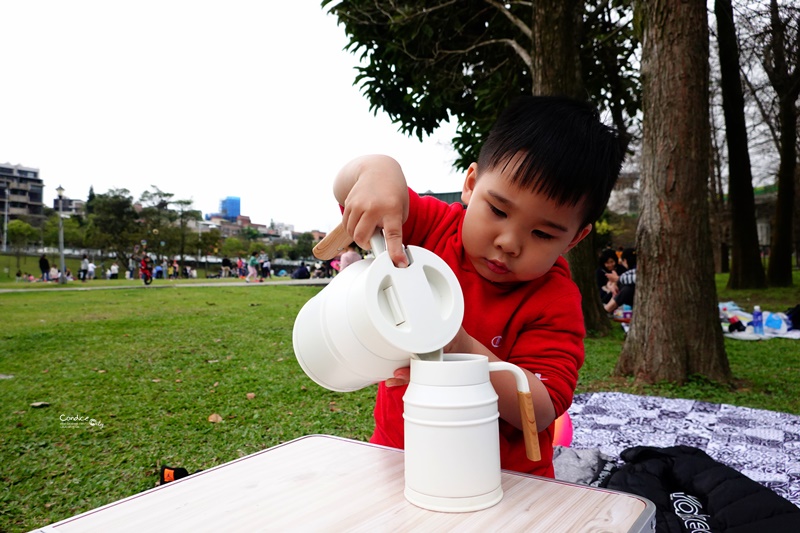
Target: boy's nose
column 507, row 243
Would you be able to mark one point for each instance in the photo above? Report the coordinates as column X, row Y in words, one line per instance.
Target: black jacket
column 693, row 492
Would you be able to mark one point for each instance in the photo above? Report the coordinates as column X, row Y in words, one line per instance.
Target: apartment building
column 21, row 193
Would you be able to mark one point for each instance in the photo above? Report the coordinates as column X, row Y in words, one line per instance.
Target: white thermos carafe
column 452, row 443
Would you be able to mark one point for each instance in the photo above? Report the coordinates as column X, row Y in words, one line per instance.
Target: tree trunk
column 779, row 270
column 556, row 71
column 747, row 272
column 719, row 217
column 787, row 87
column 582, row 264
column 797, row 217
column 675, row 330
column 556, row 48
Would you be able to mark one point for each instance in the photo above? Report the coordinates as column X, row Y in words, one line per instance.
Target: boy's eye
column 542, row 235
column 497, row 211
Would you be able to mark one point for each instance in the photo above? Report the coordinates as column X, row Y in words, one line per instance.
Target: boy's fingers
column 394, row 245
column 401, row 377
column 403, row 373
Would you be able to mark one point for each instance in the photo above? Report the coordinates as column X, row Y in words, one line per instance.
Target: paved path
column 161, row 284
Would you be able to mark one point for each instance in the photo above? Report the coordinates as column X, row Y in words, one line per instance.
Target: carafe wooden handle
column 333, row 243
column 338, row 239
column 529, row 426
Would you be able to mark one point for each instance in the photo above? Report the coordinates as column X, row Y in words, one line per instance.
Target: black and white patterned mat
column 763, row 445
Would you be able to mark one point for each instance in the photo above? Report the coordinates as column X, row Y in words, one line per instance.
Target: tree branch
column 516, row 21
column 762, row 111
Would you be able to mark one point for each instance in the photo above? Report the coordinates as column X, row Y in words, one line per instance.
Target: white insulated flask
column 452, row 442
column 373, row 317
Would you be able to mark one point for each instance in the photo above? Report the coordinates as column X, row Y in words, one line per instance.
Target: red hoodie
column 537, row 325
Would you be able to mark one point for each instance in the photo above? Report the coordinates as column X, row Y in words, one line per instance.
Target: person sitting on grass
column 607, row 270
column 301, row 272
column 624, row 285
column 531, row 197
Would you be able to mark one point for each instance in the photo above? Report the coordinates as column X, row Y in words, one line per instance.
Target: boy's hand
column 362, row 217
column 374, row 194
column 401, row 377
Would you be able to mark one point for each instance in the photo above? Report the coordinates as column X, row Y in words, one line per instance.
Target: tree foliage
column 114, row 225
column 20, row 235
column 233, row 247
column 249, row 234
column 305, row 245
column 74, row 231
column 425, row 63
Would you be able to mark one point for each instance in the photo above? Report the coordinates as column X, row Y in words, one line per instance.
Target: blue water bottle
column 758, row 320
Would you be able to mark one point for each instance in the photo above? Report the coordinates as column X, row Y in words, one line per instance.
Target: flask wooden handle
column 528, row 418
column 333, row 243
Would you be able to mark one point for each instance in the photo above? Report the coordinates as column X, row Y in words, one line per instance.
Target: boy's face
column 511, row 234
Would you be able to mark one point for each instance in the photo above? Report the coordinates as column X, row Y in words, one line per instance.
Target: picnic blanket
column 775, row 324
column 762, row 445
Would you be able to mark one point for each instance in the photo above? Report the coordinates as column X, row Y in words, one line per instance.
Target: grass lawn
column 150, row 366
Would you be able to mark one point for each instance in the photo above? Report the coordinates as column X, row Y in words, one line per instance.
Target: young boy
column 542, row 178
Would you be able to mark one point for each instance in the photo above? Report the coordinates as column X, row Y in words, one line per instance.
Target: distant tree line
column 164, row 226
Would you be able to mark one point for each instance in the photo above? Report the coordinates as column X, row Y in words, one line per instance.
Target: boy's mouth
column 497, row 267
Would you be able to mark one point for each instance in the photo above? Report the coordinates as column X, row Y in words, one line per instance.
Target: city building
column 70, row 207
column 625, row 195
column 230, row 208
column 231, row 222
column 21, row 193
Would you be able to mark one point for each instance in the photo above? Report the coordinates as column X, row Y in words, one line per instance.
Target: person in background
column 530, row 198
column 252, row 267
column 83, row 273
column 625, row 283
column 607, row 268
column 226, row 267
column 349, row 256
column 264, row 264
column 301, row 272
column 44, row 266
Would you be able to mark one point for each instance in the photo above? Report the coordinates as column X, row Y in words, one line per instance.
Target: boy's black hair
column 567, row 153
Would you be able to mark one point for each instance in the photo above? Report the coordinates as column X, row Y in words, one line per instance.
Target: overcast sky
column 248, row 98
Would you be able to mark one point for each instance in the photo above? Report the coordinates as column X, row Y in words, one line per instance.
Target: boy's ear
column 469, row 183
column 578, row 238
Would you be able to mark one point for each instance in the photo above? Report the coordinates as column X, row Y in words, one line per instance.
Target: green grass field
column 150, row 366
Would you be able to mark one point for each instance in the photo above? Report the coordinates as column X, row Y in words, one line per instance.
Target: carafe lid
column 418, row 309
